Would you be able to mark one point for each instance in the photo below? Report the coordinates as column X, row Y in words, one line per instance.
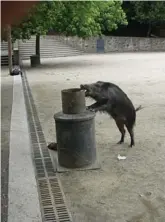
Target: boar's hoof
column 131, row 145
column 52, row 146
column 120, row 142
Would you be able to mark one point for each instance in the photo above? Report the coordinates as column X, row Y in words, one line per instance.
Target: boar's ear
column 100, row 83
column 106, row 85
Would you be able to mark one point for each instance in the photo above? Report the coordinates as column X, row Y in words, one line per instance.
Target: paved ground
column 19, row 191
column 6, row 107
column 127, row 190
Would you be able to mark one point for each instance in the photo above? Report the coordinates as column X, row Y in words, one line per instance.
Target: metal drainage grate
column 52, row 198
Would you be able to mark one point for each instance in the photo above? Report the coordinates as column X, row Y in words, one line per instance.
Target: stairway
column 50, row 47
column 4, row 54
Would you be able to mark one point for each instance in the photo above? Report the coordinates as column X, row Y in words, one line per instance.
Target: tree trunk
column 9, row 48
column 149, row 30
column 35, row 59
column 38, row 45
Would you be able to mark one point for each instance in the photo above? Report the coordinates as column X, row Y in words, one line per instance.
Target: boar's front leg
column 99, row 106
column 93, row 106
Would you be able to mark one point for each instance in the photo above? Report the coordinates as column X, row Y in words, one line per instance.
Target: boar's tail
column 139, row 108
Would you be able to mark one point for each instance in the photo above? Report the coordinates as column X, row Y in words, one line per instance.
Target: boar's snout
column 83, row 87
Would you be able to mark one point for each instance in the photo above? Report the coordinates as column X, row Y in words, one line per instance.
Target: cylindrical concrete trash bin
column 35, row 60
column 75, row 136
column 73, row 101
column 16, row 56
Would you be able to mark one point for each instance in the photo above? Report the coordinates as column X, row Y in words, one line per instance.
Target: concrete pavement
column 6, row 108
column 19, row 188
column 119, row 191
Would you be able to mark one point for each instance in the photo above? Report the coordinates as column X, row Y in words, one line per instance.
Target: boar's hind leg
column 120, row 125
column 130, row 130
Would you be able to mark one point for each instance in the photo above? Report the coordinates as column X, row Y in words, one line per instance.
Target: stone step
column 47, row 49
column 5, row 61
column 25, row 57
column 50, row 46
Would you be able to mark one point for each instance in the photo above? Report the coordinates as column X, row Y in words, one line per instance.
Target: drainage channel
column 51, row 196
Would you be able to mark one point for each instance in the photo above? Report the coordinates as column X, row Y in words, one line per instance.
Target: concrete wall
column 116, row 44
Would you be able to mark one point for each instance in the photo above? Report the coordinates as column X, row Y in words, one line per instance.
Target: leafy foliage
column 89, row 18
column 81, row 18
column 145, row 14
column 149, row 12
column 39, row 20
column 111, row 16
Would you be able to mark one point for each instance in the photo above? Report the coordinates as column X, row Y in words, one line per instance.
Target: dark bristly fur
column 112, row 100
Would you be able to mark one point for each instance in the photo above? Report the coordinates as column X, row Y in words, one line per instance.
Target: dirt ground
column 131, row 190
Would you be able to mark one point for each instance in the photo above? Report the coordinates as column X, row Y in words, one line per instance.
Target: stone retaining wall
column 116, row 44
